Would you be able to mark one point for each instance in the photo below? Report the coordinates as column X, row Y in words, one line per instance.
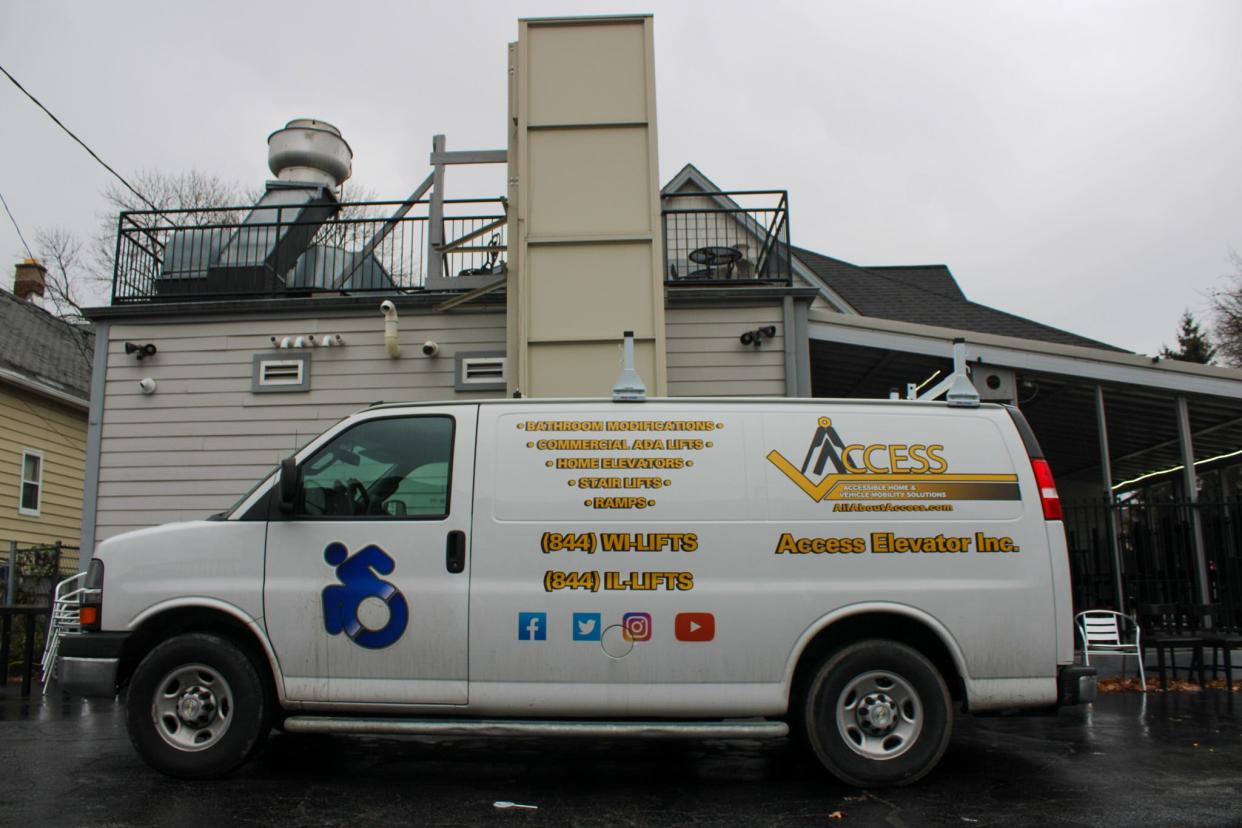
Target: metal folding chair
column 1104, row 632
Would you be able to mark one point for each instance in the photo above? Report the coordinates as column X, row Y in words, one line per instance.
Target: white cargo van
column 852, row 572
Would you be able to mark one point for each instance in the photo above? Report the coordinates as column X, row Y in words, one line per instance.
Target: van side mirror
column 290, row 485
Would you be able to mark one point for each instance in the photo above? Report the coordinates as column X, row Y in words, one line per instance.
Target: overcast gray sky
column 1076, row 162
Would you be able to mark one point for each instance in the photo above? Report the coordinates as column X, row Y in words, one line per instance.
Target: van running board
column 742, row 729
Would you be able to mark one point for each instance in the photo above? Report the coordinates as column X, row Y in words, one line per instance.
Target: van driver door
column 366, row 584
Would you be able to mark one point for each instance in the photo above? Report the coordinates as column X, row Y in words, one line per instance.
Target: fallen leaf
column 837, row 815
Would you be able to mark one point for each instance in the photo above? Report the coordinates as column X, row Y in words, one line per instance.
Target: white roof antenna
column 957, row 388
column 629, row 387
column 962, row 392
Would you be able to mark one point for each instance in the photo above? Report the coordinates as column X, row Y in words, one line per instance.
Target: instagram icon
column 636, row 626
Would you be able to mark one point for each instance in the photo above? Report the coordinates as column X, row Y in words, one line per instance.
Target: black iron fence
column 28, row 577
column 1156, row 546
column 727, row 237
column 303, row 248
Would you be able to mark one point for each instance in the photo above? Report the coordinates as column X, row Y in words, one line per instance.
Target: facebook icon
column 532, row 626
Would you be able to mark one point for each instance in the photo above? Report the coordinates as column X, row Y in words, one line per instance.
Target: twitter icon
column 587, row 626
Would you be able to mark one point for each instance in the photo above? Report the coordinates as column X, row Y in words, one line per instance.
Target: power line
column 69, row 132
column 15, row 227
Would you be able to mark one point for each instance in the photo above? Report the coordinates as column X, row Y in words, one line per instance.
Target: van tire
column 196, row 707
column 877, row 713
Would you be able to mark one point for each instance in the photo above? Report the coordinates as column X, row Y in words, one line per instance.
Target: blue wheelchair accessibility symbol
column 359, row 575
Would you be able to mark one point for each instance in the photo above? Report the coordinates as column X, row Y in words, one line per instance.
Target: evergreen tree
column 1193, row 343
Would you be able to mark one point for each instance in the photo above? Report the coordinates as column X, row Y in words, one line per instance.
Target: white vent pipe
column 390, row 328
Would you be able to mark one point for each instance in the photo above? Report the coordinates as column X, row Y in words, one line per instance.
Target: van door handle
column 455, row 552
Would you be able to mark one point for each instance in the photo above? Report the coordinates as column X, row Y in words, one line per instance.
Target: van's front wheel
column 196, row 707
column 878, row 713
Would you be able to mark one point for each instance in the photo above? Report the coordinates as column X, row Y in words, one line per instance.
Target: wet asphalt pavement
column 1165, row 760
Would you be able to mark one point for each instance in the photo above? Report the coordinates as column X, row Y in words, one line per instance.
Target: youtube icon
column 694, row 626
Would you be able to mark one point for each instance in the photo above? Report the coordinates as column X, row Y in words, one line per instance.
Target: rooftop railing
column 727, row 238
column 318, row 247
column 235, row 252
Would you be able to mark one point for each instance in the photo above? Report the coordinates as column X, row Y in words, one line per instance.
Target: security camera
column 757, row 336
column 140, row 351
column 430, row 348
column 146, row 385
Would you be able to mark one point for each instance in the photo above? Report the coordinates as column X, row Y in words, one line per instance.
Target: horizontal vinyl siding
column 28, row 421
column 706, row 358
column 203, row 438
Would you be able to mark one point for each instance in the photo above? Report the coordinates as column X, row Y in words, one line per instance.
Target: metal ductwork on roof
column 272, row 247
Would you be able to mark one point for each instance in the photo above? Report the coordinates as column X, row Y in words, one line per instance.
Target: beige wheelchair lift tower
column 586, row 254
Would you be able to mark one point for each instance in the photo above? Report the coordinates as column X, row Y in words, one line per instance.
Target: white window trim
column 22, row 481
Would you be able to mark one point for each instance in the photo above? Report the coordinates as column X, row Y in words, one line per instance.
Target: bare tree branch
column 61, row 252
column 1227, row 313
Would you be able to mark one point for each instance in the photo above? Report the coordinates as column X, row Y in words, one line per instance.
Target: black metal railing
column 727, row 237
column 29, row 573
column 1157, row 551
column 298, row 249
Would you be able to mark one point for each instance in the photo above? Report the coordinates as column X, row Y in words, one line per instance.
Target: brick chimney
column 28, row 279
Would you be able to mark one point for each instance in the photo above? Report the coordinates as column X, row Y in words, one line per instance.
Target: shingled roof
column 44, row 348
column 927, row 295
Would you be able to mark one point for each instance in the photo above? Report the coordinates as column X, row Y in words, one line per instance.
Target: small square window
column 32, row 483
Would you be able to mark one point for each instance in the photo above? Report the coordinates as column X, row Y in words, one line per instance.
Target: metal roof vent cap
column 307, row 150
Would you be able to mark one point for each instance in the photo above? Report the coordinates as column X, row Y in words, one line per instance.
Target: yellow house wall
column 30, row 421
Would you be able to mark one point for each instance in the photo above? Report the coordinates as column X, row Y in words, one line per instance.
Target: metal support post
column 1191, row 486
column 10, row 581
column 1110, row 502
column 51, row 594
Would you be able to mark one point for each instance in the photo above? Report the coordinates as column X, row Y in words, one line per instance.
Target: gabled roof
column 936, row 278
column 928, row 295
column 922, row 294
column 44, row 350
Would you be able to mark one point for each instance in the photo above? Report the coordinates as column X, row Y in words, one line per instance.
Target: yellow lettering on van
column 850, row 465
column 918, row 456
column 872, row 467
column 936, row 462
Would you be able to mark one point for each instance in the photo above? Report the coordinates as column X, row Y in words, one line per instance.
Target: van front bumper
column 89, row 662
column 1076, row 684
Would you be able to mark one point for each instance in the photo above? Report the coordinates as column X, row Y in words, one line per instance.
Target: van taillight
column 1048, row 496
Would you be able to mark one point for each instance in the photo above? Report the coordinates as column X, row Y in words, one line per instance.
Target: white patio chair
column 1104, row 632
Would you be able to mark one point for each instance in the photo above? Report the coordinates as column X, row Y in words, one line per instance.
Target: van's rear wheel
column 196, row 707
column 877, row 713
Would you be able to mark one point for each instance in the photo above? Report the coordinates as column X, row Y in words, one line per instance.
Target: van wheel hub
column 196, row 706
column 879, row 714
column 193, row 707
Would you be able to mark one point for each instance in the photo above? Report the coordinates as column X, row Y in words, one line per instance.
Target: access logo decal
column 886, row 472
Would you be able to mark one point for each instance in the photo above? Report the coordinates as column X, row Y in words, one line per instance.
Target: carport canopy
column 1072, row 396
